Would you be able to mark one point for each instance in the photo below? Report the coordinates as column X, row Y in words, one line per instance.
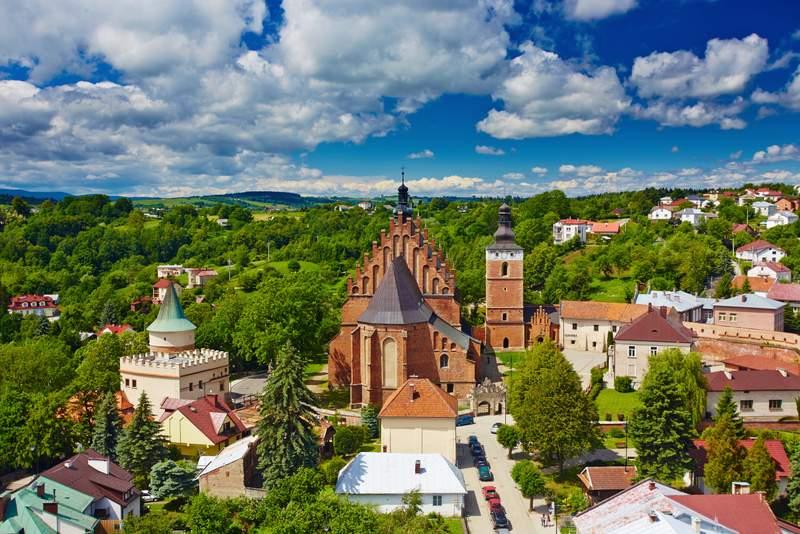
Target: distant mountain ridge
column 35, row 195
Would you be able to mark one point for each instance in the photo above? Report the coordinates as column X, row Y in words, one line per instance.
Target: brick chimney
column 417, row 467
column 51, row 508
column 663, row 311
column 652, row 485
column 40, row 490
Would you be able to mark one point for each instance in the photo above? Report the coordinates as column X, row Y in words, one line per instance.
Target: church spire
column 403, row 203
column 504, row 236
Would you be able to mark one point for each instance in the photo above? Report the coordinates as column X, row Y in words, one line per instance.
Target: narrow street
column 516, row 506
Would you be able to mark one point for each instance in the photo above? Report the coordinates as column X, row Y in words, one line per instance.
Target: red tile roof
column 601, row 311
column 419, row 397
column 775, row 266
column 79, row 475
column 207, row 414
column 574, row 221
column 605, row 228
column 114, row 329
column 758, row 244
column 757, row 283
column 783, row 467
column 753, row 380
column 741, row 227
column 162, row 283
column 742, row 513
column 761, row 362
column 785, row 292
column 655, row 326
column 607, row 477
column 38, row 301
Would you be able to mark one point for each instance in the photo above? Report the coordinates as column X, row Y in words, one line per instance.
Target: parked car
column 147, row 497
column 499, row 519
column 489, row 492
column 485, row 474
column 495, row 505
column 495, row 428
column 480, row 461
column 473, row 440
column 465, row 419
column 476, row 449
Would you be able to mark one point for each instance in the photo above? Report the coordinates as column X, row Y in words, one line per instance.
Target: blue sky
column 472, row 97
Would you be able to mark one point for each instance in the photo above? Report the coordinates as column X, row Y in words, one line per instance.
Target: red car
column 490, row 492
column 495, row 505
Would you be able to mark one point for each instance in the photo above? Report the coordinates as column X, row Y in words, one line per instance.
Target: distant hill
column 31, row 195
column 248, row 199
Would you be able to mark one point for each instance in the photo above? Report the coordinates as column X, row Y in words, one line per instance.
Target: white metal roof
column 228, row 455
column 388, row 473
column 751, row 300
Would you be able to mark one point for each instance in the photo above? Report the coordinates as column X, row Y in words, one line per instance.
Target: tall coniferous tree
column 727, row 408
column 286, row 431
column 725, row 463
column 107, row 427
column 141, row 445
column 759, row 469
column 793, row 487
column 662, row 427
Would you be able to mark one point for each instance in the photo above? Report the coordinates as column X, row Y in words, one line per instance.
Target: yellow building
column 202, row 427
column 419, row 418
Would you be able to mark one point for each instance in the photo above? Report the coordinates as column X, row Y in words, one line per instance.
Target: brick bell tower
column 505, row 321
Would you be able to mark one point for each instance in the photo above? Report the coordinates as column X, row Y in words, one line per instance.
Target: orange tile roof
column 419, row 397
column 607, row 477
column 757, row 283
column 749, row 361
column 608, row 311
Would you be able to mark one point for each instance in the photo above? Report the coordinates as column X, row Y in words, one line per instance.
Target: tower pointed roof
column 504, row 236
column 171, row 317
column 403, row 203
column 398, row 299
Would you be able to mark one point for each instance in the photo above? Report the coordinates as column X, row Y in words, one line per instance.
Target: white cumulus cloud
column 728, row 65
column 489, row 150
column 422, row 154
column 596, row 9
column 539, row 170
column 546, row 96
column 777, row 153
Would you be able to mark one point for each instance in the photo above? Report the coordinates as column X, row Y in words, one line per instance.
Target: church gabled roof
column 171, row 317
column 398, row 299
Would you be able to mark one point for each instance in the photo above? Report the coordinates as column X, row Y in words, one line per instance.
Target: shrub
column 348, row 439
column 293, row 266
column 597, row 374
column 331, row 469
column 623, row 384
column 616, row 433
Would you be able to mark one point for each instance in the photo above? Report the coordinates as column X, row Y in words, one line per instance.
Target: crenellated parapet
column 176, row 361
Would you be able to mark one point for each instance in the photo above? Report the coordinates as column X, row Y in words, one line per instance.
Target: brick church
column 402, row 317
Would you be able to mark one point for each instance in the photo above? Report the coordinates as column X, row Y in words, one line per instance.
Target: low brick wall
column 722, row 349
column 747, row 335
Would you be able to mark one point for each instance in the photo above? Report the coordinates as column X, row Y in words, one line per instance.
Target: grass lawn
column 335, row 398
column 314, row 368
column 283, row 266
column 612, row 290
column 454, row 525
column 612, row 402
column 506, row 357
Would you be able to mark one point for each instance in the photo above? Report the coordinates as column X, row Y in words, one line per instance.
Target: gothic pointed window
column 504, row 269
column 389, row 363
column 444, row 361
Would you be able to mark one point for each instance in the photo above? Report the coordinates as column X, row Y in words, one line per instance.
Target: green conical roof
column 171, row 317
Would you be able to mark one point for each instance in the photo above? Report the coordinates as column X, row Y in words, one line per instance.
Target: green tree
column 726, row 407
column 745, row 286
column 293, row 266
column 725, row 456
column 286, row 430
column 529, row 480
column 369, row 418
column 154, row 522
column 793, row 487
column 107, row 427
column 552, row 413
column 20, row 207
column 348, row 439
column 141, row 445
column 508, row 436
column 759, row 469
column 169, row 478
column 49, row 431
column 662, row 428
column 724, row 288
column 331, row 469
column 207, row 515
column 688, row 372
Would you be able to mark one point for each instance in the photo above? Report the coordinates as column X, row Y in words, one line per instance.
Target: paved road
column 477, row 512
column 583, row 361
